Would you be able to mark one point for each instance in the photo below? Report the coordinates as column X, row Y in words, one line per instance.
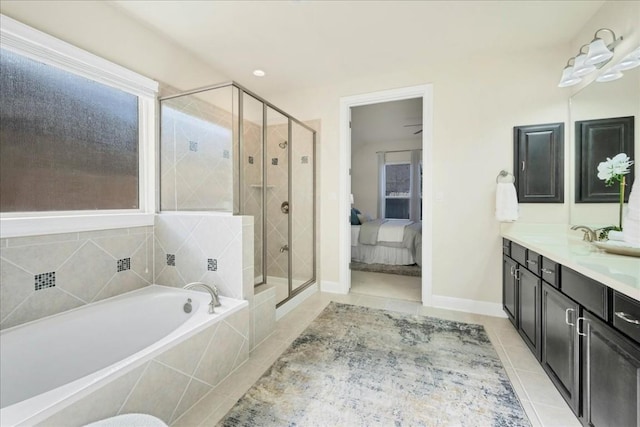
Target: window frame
column 384, row 190
column 36, row 45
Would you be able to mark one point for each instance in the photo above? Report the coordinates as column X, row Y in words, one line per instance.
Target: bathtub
column 49, row 364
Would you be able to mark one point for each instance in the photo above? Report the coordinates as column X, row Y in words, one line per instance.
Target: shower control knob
column 284, row 207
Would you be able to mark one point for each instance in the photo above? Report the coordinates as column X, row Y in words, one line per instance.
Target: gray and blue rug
column 357, row 366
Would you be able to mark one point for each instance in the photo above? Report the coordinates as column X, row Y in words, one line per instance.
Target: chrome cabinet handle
column 530, row 261
column 566, row 316
column 624, row 316
column 578, row 326
column 547, row 271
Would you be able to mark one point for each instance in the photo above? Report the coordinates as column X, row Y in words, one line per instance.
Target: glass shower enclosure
column 225, row 149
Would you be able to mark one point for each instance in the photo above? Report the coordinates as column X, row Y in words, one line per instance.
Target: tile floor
column 541, row 401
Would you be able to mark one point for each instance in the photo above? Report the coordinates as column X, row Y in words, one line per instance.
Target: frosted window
column 66, row 142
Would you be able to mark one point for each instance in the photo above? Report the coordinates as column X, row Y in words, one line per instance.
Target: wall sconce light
column 632, row 60
column 598, row 53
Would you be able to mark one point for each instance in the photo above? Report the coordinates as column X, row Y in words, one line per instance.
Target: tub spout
column 213, row 291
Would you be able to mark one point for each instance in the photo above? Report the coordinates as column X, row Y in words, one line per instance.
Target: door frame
column 344, row 233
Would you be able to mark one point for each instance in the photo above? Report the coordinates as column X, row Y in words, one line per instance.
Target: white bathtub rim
column 38, row 408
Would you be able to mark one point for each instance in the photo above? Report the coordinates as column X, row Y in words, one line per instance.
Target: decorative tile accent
column 212, row 264
column 225, row 154
column 45, row 280
column 304, row 160
column 250, row 160
column 171, row 260
column 274, row 161
column 193, row 146
column 124, row 264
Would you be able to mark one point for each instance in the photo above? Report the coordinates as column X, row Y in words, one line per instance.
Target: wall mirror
column 598, row 101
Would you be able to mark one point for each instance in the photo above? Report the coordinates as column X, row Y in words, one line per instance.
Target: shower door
column 302, row 206
column 277, row 203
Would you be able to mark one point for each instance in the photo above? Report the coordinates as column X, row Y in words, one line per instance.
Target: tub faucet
column 589, row 234
column 213, row 291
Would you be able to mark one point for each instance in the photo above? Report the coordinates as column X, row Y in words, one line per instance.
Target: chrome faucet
column 213, row 291
column 589, row 234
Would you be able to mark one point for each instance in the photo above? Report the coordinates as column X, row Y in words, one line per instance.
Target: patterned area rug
column 403, row 270
column 356, row 366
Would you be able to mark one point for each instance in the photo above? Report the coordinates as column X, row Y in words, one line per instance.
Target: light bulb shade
column 609, row 76
column 580, row 68
column 630, row 61
column 568, row 79
column 598, row 52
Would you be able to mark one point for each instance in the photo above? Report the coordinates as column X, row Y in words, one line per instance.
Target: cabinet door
column 611, row 376
column 560, row 352
column 539, row 163
column 509, row 289
column 529, row 309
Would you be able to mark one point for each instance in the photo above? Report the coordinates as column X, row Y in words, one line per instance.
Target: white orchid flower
column 612, row 169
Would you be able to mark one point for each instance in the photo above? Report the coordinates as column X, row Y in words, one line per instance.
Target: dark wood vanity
column 585, row 334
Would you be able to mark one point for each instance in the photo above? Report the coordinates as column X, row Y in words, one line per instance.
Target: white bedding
column 380, row 254
column 393, row 230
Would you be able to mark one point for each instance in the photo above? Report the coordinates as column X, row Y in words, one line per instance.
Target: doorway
column 423, row 93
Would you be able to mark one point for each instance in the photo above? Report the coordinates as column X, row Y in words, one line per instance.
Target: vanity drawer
column 592, row 295
column 518, row 253
column 533, row 262
column 506, row 247
column 550, row 272
column 626, row 315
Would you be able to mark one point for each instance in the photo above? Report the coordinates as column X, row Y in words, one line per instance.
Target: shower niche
column 225, row 149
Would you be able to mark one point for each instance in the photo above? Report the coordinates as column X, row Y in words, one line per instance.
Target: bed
column 387, row 241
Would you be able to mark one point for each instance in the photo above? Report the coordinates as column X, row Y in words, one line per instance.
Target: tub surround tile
column 169, row 276
column 200, row 411
column 170, row 232
column 142, row 259
column 41, row 240
column 216, row 363
column 187, row 355
column 240, row 322
column 120, row 246
column 264, row 318
column 190, row 261
column 38, row 258
column 195, row 391
column 86, row 272
column 124, row 281
column 102, row 403
column 157, row 392
column 16, row 285
column 41, row 304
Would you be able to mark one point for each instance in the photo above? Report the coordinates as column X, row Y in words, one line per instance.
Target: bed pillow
column 364, row 218
column 354, row 216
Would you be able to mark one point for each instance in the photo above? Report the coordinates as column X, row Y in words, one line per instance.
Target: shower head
column 283, row 144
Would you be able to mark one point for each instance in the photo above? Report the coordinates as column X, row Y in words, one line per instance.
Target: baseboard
column 468, row 305
column 333, row 287
column 294, row 302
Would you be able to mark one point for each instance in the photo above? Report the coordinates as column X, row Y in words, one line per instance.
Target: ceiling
column 303, row 44
column 386, row 121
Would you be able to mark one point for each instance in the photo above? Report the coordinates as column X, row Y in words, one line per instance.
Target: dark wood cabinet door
column 611, row 376
column 539, row 163
column 529, row 309
column 560, row 350
column 595, row 141
column 509, row 289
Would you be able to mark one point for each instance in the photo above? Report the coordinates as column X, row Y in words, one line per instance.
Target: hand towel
column 506, row 202
column 631, row 222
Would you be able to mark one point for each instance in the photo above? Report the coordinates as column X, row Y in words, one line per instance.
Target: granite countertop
column 558, row 243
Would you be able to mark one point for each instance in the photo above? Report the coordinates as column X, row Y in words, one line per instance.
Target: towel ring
column 503, row 173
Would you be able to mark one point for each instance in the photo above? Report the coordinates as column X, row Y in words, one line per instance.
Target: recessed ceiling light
column 259, row 73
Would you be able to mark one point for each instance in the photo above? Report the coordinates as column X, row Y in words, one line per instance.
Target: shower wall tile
column 85, row 267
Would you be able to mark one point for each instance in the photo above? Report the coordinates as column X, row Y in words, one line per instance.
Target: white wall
column 104, row 30
column 364, row 171
column 476, row 104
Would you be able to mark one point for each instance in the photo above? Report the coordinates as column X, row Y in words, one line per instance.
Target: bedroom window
column 400, row 184
column 397, row 190
column 77, row 138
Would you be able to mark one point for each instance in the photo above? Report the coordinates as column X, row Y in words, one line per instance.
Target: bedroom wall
column 364, row 171
column 476, row 104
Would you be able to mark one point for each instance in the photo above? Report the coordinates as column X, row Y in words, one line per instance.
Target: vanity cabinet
column 610, row 376
column 560, row 350
column 585, row 335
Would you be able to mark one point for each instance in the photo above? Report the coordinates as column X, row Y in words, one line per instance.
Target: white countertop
column 560, row 244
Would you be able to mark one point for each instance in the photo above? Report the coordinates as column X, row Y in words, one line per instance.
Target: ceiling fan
column 417, row 124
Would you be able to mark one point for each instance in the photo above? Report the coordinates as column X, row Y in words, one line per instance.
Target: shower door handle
column 284, row 207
